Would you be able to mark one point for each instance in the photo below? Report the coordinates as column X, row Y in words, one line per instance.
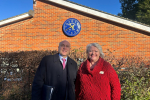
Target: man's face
column 64, row 48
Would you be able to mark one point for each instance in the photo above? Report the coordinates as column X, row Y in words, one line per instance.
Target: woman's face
column 93, row 54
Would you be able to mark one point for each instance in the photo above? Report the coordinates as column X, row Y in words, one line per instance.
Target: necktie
column 64, row 60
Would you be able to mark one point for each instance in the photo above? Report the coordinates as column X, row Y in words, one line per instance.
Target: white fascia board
column 102, row 15
column 17, row 18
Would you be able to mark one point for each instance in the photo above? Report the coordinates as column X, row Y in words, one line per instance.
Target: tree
column 129, row 8
column 138, row 10
column 143, row 14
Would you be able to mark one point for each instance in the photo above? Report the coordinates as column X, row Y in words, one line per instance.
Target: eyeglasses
column 67, row 46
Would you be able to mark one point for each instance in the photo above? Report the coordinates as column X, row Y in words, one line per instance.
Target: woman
column 96, row 78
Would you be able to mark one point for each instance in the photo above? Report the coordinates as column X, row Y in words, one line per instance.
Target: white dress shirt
column 60, row 57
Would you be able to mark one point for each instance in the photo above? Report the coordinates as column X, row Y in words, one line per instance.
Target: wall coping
column 17, row 18
column 104, row 15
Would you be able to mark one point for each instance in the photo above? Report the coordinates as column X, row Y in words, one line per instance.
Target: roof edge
column 17, row 18
column 103, row 15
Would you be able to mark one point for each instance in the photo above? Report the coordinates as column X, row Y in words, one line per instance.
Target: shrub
column 134, row 75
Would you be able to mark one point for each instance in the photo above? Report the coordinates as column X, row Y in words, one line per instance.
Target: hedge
column 18, row 70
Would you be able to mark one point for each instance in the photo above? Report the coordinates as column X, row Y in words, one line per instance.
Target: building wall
column 44, row 32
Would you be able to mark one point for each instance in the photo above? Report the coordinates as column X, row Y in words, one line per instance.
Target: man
column 61, row 74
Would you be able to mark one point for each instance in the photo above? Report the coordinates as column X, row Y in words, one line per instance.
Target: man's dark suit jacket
column 49, row 73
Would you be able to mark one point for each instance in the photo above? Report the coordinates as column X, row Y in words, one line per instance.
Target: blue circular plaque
column 71, row 27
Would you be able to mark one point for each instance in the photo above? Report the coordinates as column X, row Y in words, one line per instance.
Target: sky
column 10, row 8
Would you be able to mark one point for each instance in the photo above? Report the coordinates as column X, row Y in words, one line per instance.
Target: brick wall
column 44, row 32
